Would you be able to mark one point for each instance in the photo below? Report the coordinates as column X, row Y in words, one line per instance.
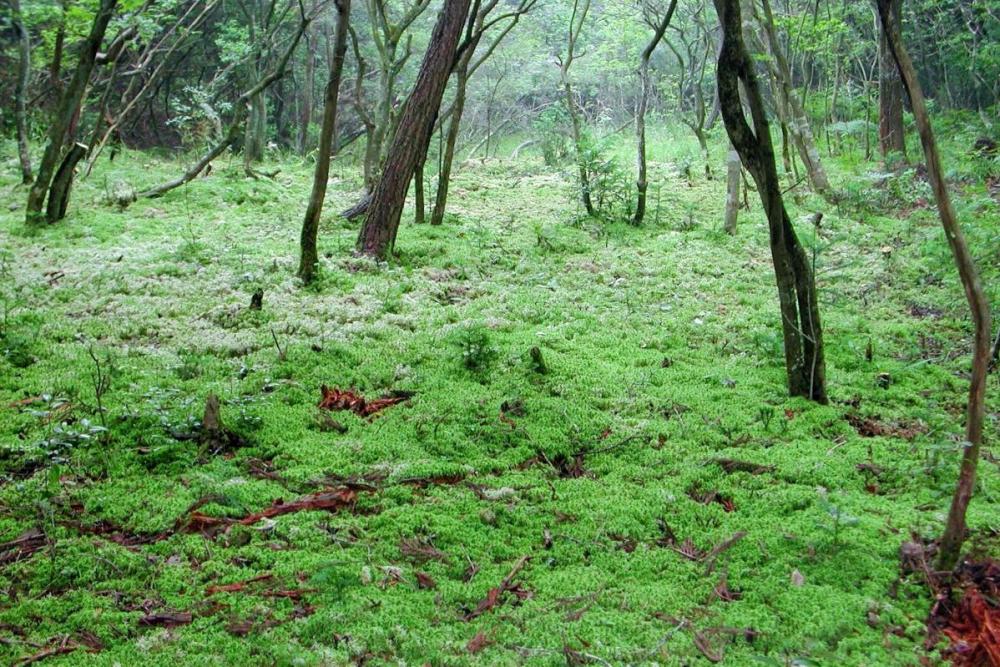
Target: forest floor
column 642, row 492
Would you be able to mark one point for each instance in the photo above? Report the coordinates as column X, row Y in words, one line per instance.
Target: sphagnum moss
column 661, row 355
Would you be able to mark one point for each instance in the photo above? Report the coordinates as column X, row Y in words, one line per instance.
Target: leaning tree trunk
column 240, row 108
column 309, row 256
column 69, row 105
column 378, row 234
column 955, row 528
column 801, row 327
column 641, row 182
column 21, row 91
column 891, row 131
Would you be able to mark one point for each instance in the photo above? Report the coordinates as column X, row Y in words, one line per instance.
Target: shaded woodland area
column 500, row 332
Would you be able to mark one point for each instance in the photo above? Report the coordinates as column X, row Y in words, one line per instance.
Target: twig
column 281, row 352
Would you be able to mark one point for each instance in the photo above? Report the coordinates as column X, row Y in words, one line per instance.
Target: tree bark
column 576, row 25
column 801, row 327
column 68, row 108
column 891, row 131
column 734, row 173
column 62, row 182
column 309, row 256
column 955, row 527
column 641, row 182
column 21, row 91
column 378, row 234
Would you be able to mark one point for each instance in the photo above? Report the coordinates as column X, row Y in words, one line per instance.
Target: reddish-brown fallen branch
column 330, row 500
column 337, row 399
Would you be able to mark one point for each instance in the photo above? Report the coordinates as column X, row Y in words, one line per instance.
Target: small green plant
column 837, row 518
column 478, row 351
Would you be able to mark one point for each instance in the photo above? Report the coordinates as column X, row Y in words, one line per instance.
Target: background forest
column 499, row 332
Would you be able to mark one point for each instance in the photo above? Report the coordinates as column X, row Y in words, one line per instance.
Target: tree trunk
column 734, row 173
column 450, row 142
column 21, row 91
column 641, row 182
column 378, row 234
column 801, row 327
column 62, row 182
column 254, row 136
column 891, row 132
column 309, row 256
column 306, row 98
column 69, row 105
column 955, row 528
column 798, row 122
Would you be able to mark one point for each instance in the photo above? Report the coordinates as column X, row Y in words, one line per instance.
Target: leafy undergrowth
column 584, row 453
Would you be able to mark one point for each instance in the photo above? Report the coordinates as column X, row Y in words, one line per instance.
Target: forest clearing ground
column 673, row 504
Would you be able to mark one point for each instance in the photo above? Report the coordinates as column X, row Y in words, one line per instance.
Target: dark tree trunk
column 21, row 91
column 955, row 527
column 891, row 132
column 62, row 182
column 802, row 331
column 378, row 234
column 68, row 108
column 309, row 256
column 641, row 182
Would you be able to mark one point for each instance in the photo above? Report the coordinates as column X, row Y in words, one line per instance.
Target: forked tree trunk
column 801, row 327
column 21, row 91
column 68, row 108
column 308, row 253
column 641, row 182
column 378, row 234
column 891, row 131
column 955, row 528
column 734, row 173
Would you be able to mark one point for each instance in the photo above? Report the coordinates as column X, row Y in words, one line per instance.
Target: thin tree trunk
column 451, row 140
column 576, row 25
column 378, row 234
column 306, row 98
column 801, row 327
column 69, row 106
column 21, row 91
column 891, row 131
column 955, row 527
column 798, row 122
column 309, row 255
column 734, row 173
column 641, row 182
